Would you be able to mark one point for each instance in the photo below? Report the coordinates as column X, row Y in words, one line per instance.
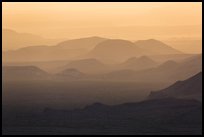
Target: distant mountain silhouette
column 13, row 40
column 41, row 53
column 115, row 50
column 66, row 50
column 139, row 63
column 169, row 71
column 90, row 47
column 87, row 65
column 156, row 47
column 82, row 43
column 190, row 88
column 22, row 72
column 126, row 49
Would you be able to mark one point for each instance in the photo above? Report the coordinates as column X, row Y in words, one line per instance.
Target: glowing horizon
column 123, row 20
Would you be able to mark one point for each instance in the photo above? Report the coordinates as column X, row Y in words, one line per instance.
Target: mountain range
column 168, row 71
column 14, row 40
column 142, row 69
column 91, row 47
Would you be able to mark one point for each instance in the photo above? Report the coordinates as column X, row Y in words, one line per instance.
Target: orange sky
column 39, row 17
column 128, row 20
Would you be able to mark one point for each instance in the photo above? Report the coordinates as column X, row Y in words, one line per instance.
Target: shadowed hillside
column 190, row 88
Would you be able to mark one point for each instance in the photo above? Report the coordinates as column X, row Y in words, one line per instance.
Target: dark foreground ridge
column 155, row 117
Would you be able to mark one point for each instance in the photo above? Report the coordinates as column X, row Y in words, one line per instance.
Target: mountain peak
column 81, row 43
column 94, row 37
column 150, row 41
column 156, row 47
column 116, row 50
column 142, row 62
column 118, row 43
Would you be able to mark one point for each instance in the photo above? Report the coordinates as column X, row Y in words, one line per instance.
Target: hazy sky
column 129, row 20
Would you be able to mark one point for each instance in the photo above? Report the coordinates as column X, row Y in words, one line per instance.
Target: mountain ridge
column 190, row 88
